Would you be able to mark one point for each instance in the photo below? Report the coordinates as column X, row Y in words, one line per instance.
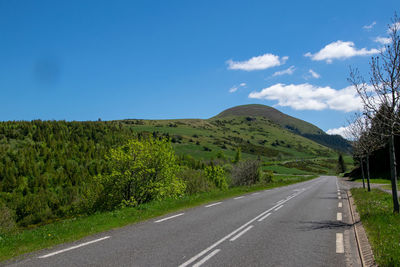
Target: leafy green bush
column 267, row 177
column 216, row 175
column 141, row 171
column 246, row 173
column 196, row 181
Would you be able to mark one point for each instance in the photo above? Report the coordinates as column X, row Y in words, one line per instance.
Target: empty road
column 306, row 224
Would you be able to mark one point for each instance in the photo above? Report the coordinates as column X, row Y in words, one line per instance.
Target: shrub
column 141, row 171
column 267, row 177
column 7, row 222
column 216, row 175
column 196, row 181
column 246, row 172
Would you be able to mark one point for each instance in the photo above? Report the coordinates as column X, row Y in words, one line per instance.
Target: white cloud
column 235, row 87
column 343, row 131
column 257, row 63
column 288, row 71
column 383, row 40
column 314, row 74
column 309, row 97
column 340, row 50
column 369, row 27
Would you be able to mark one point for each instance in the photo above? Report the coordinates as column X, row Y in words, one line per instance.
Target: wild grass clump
column 246, row 173
column 196, row 181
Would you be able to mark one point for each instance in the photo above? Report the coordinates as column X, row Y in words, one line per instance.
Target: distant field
column 306, row 166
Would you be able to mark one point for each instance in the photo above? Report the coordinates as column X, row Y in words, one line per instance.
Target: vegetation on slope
column 56, row 169
column 274, row 115
column 290, row 123
column 256, row 136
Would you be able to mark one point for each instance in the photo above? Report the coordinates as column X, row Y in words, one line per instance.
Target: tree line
column 50, row 170
column 378, row 124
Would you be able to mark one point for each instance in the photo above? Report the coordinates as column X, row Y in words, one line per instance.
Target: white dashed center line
column 173, row 216
column 339, row 243
column 340, row 205
column 203, row 252
column 214, row 204
column 280, row 201
column 73, row 247
column 206, row 258
column 264, row 217
column 339, row 216
column 241, row 233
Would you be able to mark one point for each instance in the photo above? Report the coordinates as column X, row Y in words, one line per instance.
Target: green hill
column 256, row 110
column 256, row 136
column 290, row 123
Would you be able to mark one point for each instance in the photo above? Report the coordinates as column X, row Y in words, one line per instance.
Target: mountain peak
column 287, row 122
column 257, row 110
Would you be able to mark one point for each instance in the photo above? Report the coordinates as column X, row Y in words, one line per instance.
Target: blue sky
column 84, row 60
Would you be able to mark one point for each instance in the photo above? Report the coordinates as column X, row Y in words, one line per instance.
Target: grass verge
column 373, row 181
column 25, row 241
column 381, row 224
column 389, row 186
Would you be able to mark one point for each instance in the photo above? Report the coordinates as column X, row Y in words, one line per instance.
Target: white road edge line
column 340, row 205
column 241, row 233
column 195, row 257
column 278, row 207
column 339, row 243
column 256, row 193
column 339, row 216
column 239, row 197
column 173, row 216
column 263, row 218
column 213, row 204
column 73, row 247
column 206, row 258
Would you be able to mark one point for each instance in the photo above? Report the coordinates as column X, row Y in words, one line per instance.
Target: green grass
column 381, row 224
column 284, row 170
column 324, row 166
column 73, row 229
column 256, row 138
column 389, row 186
column 374, row 181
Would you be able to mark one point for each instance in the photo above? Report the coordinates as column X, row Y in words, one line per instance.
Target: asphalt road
column 297, row 225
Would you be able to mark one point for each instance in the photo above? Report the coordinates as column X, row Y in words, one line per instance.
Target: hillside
column 213, row 138
column 49, row 169
column 256, row 110
column 290, row 123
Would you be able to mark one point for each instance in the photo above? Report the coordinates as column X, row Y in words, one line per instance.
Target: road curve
column 306, row 224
